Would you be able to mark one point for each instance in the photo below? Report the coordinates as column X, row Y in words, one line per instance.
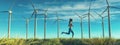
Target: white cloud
column 68, row 9
column 75, row 7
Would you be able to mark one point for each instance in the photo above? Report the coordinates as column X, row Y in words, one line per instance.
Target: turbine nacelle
column 10, row 11
column 45, row 14
column 27, row 20
column 36, row 10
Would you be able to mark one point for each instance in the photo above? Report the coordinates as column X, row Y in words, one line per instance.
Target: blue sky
column 65, row 9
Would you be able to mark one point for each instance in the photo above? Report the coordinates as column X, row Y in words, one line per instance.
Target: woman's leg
column 66, row 32
column 72, row 33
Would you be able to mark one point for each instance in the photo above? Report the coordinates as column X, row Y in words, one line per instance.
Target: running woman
column 70, row 28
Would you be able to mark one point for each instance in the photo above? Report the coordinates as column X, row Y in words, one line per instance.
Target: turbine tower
column 58, row 28
column 27, row 25
column 45, row 18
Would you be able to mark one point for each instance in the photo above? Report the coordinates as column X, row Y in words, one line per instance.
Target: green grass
column 62, row 41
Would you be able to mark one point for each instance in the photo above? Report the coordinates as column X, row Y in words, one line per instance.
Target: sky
column 66, row 9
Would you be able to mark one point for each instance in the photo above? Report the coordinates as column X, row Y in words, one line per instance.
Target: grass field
column 93, row 41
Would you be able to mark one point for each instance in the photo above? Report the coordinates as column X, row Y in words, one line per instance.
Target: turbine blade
column 97, row 14
column 104, row 11
column 23, row 17
column 3, row 11
column 89, row 7
column 107, row 2
column 54, row 21
column 105, row 16
column 93, row 17
column 84, row 16
column 114, row 7
column 46, row 11
column 40, row 14
column 40, row 9
column 78, row 15
column 32, row 4
column 61, row 19
column 12, row 5
column 32, row 14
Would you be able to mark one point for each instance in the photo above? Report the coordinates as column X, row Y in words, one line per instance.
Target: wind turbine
column 35, row 12
column 89, row 15
column 45, row 18
column 109, row 25
column 108, row 11
column 81, row 20
column 58, row 25
column 89, row 31
column 9, row 18
column 58, row 29
column 27, row 24
column 102, row 21
column 35, row 20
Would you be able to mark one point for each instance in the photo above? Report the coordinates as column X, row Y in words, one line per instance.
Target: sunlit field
column 93, row 41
